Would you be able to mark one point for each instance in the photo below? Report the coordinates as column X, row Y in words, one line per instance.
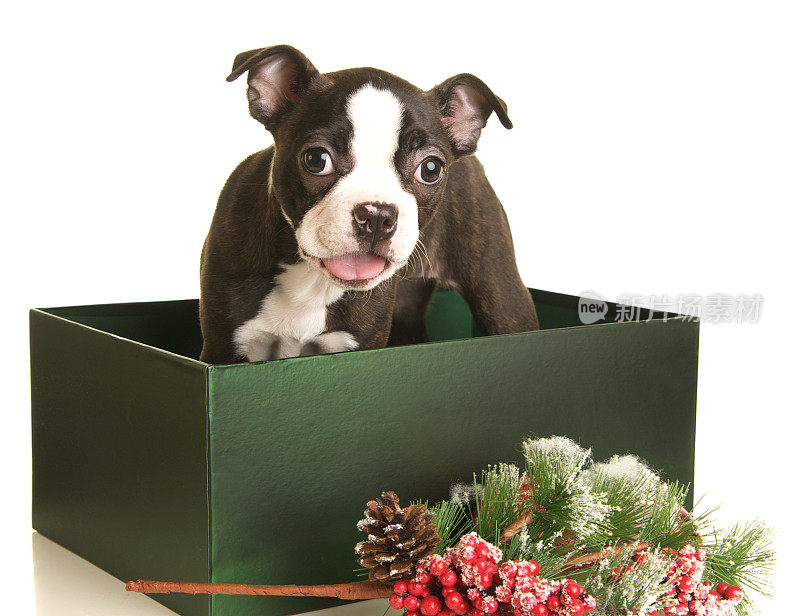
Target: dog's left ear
column 466, row 104
column 277, row 77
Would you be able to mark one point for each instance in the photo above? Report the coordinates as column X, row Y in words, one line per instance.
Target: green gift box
column 154, row 465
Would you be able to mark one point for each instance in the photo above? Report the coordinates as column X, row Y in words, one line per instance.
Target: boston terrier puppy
column 336, row 237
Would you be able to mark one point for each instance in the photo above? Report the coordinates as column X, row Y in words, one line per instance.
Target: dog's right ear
column 277, row 77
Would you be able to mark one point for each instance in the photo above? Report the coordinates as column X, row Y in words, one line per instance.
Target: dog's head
column 361, row 156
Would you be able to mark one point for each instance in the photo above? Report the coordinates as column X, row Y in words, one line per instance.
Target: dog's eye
column 429, row 170
column 317, row 161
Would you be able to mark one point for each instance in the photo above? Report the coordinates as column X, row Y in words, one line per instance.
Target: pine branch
column 497, row 506
column 621, row 589
column 668, row 524
column 560, row 500
column 553, row 564
column 629, row 504
column 451, row 522
column 743, row 556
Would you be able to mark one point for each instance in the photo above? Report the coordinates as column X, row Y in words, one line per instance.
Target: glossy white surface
column 66, row 585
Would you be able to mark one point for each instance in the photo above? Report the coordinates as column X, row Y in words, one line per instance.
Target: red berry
column 430, row 606
column 694, row 606
column 534, row 567
column 733, row 593
column 423, row 577
column 681, row 610
column 447, row 612
column 396, row 601
column 485, row 580
column 401, row 587
column 683, row 597
column 454, row 600
column 572, row 590
column 473, row 594
column 412, row 613
column 490, row 605
column 438, row 567
column 685, row 583
column 415, row 588
column 410, row 603
column 722, row 587
column 446, row 590
column 575, row 608
column 554, row 604
column 714, row 593
column 540, row 609
column 448, row 578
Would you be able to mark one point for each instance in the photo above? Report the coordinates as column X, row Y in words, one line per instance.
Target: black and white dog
column 336, row 237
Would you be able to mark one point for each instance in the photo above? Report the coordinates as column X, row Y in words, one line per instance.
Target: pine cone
column 397, row 538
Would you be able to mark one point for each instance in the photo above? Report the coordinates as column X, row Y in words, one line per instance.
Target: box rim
column 472, row 340
column 184, row 358
column 208, row 366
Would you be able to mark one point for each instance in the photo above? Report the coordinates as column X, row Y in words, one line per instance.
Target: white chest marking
column 291, row 316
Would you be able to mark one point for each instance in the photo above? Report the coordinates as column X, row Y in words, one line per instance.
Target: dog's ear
column 277, row 77
column 466, row 104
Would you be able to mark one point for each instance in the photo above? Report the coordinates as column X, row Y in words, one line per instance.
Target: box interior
column 174, row 325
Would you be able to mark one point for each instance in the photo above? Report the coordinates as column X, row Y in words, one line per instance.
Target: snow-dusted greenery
column 561, row 498
column 571, row 508
column 742, row 555
column 633, row 590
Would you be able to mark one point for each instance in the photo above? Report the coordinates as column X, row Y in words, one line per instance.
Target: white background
column 655, row 151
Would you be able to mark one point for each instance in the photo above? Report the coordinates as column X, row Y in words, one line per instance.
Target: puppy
column 336, row 237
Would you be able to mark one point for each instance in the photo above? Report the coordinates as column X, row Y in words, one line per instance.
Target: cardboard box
column 154, row 465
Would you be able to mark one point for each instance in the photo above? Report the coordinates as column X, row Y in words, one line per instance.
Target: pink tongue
column 356, row 267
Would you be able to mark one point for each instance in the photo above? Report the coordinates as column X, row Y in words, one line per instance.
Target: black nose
column 375, row 221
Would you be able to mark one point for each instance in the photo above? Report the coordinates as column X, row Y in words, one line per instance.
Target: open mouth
column 357, row 268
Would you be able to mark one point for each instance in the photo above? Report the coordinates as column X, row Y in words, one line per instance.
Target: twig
column 350, row 591
column 579, row 562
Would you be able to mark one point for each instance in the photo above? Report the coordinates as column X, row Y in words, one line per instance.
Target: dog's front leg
column 364, row 315
column 410, row 308
column 500, row 302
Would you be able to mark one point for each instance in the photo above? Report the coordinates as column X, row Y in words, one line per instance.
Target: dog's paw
column 266, row 346
column 335, row 342
column 329, row 342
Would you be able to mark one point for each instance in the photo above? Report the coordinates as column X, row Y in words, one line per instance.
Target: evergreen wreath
column 561, row 536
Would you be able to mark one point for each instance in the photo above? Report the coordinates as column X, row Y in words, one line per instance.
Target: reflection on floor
column 67, row 585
